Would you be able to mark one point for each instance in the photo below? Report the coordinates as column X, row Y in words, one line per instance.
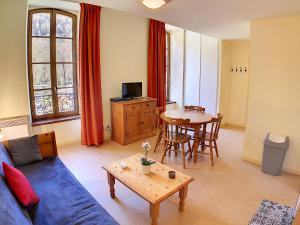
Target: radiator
column 15, row 127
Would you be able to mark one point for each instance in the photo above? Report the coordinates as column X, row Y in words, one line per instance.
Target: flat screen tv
column 132, row 90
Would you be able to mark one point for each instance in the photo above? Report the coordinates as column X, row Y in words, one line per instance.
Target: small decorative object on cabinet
column 133, row 120
column 146, row 164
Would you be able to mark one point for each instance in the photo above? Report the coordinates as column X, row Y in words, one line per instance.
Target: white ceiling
column 222, row 19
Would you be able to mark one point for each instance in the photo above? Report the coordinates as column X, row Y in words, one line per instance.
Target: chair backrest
column 194, row 108
column 158, row 111
column 215, row 125
column 175, row 127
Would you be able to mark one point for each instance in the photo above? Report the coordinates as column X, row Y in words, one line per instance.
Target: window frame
column 56, row 115
column 168, row 70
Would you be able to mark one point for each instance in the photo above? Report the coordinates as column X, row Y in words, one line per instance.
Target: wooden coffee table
column 154, row 188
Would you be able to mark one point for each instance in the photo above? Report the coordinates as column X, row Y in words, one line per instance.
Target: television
column 132, row 90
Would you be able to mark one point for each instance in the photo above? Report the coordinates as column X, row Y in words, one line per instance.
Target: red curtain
column 90, row 75
column 157, row 62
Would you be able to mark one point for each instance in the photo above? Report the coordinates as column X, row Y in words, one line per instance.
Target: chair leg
column 183, row 156
column 216, row 148
column 170, row 148
column 176, row 149
column 190, row 150
column 211, row 154
column 164, row 152
column 202, row 146
column 158, row 140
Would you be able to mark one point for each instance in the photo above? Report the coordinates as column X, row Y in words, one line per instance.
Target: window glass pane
column 66, row 99
column 40, row 49
column 43, row 102
column 41, row 76
column 63, row 26
column 63, row 50
column 64, row 74
column 41, row 24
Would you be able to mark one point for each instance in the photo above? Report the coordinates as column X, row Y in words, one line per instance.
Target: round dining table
column 197, row 120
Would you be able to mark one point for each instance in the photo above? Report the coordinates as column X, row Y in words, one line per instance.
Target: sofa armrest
column 47, row 144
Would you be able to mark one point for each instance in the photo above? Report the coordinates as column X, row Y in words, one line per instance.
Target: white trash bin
column 275, row 147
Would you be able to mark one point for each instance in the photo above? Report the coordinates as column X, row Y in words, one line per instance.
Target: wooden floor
column 228, row 193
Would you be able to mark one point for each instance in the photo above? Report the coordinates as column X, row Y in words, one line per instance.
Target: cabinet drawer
column 148, row 105
column 132, row 107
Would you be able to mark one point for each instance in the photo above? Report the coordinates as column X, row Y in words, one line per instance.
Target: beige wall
column 274, row 87
column 225, row 64
column 13, row 78
column 65, row 132
column 124, row 40
column 124, row 50
column 234, row 85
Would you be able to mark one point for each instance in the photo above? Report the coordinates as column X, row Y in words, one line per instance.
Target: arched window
column 52, row 65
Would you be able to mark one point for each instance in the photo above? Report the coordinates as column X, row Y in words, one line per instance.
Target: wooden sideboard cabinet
column 133, row 120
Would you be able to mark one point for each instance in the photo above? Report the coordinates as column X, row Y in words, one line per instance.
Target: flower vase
column 146, row 169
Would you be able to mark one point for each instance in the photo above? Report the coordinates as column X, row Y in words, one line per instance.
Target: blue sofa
column 63, row 200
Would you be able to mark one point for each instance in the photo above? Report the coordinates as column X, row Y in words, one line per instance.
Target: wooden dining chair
column 211, row 137
column 175, row 135
column 194, row 108
column 159, row 126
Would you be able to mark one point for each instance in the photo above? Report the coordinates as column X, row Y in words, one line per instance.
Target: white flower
column 146, row 145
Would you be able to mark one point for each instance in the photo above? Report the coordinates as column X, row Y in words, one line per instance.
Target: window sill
column 170, row 102
column 55, row 120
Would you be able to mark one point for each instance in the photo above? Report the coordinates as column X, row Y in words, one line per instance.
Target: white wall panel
column 209, row 74
column 192, row 68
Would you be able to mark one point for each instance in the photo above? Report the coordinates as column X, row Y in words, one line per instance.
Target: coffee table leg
column 182, row 196
column 154, row 213
column 111, row 182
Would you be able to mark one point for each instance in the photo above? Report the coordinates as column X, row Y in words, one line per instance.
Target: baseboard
column 250, row 160
column 223, row 125
column 230, row 125
column 258, row 162
column 78, row 141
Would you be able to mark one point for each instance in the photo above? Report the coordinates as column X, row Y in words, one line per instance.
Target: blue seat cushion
column 4, row 157
column 11, row 213
column 63, row 200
